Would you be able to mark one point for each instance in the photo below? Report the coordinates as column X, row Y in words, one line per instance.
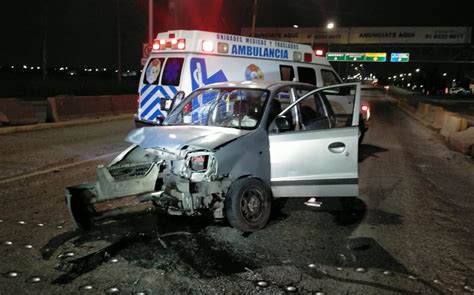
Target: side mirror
column 282, row 124
column 178, row 97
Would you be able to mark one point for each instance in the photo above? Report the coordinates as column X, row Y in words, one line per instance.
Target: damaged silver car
column 230, row 150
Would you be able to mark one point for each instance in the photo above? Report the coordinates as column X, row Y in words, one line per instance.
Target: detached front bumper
column 112, row 184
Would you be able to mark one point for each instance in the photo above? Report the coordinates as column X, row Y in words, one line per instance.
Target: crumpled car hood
column 173, row 138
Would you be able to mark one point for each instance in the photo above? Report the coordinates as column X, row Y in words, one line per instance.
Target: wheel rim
column 252, row 204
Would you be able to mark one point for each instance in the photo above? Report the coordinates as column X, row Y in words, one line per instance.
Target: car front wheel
column 248, row 204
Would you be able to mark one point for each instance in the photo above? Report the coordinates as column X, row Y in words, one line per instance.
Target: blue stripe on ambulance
column 150, row 102
column 145, row 99
column 144, row 88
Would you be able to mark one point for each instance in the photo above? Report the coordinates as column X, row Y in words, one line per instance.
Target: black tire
column 81, row 209
column 248, row 204
column 278, row 204
column 362, row 130
column 348, row 204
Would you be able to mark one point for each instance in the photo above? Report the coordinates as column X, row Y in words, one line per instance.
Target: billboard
column 367, row 35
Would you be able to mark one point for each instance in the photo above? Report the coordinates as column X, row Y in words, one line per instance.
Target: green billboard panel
column 399, row 57
column 357, row 56
column 335, row 56
column 375, row 56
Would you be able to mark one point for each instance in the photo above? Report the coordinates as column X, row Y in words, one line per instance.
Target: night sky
column 83, row 33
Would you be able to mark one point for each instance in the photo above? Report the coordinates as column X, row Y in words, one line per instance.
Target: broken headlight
column 199, row 163
column 199, row 166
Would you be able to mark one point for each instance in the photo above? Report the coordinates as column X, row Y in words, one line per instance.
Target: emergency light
column 222, row 47
column 308, row 57
column 207, row 46
column 319, row 52
column 297, row 56
column 171, row 43
column 181, row 44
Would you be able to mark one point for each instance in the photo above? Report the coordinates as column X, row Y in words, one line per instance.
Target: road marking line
column 61, row 167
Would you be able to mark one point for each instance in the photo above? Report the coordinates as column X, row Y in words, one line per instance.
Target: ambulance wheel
column 248, row 204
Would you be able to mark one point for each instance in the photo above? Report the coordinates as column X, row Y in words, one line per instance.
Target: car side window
column 312, row 115
column 307, row 75
column 287, row 73
column 310, row 112
column 279, row 102
column 329, row 78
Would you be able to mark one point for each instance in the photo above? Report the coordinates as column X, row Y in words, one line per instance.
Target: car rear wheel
column 248, row 204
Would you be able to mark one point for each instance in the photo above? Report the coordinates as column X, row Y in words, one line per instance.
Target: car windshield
column 224, row 107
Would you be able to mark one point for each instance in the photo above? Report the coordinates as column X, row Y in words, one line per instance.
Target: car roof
column 256, row 84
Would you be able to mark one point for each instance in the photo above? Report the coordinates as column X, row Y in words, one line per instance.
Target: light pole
column 45, row 37
column 150, row 21
column 254, row 17
column 329, row 27
column 119, row 45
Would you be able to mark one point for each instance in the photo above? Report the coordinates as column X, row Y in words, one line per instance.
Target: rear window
column 172, row 71
column 307, row 75
column 153, row 71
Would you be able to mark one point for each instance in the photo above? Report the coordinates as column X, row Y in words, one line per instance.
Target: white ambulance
column 184, row 60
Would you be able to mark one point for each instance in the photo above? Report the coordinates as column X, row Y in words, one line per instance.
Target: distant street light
column 445, row 74
column 329, row 26
column 417, row 70
column 295, row 26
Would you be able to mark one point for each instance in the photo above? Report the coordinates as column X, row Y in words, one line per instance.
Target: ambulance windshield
column 224, row 107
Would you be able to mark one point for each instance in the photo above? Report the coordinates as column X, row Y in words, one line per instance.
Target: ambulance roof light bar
column 174, row 43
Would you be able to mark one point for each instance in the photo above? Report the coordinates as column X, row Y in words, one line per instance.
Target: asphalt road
column 410, row 232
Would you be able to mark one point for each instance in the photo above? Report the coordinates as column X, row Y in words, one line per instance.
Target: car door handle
column 337, row 147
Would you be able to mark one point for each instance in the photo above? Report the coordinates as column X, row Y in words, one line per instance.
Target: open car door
column 313, row 151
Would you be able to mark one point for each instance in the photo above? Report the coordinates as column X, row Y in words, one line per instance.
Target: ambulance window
column 287, row 73
column 307, row 75
column 329, row 78
column 153, row 70
column 172, row 71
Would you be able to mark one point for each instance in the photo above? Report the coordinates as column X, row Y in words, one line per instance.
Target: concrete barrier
column 3, row 118
column 433, row 111
column 16, row 112
column 63, row 108
column 463, row 141
column 423, row 109
column 452, row 124
column 440, row 118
